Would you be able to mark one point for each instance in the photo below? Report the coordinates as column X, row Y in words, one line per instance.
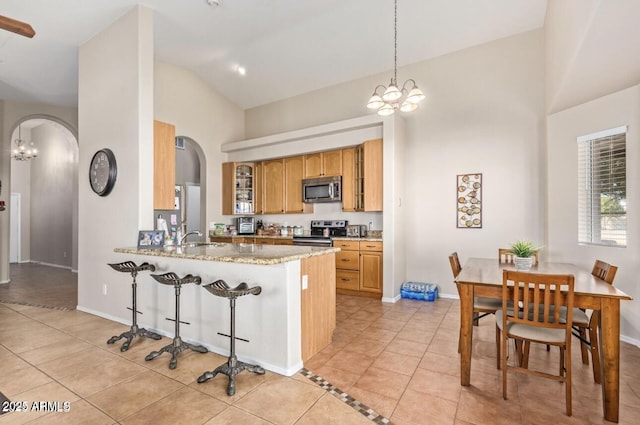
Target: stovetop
column 335, row 228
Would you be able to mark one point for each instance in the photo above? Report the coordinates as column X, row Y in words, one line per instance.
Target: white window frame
column 592, row 227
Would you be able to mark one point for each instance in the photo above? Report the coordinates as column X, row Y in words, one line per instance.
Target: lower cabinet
column 359, row 268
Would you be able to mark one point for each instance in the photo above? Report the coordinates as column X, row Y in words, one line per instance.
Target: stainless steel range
column 322, row 232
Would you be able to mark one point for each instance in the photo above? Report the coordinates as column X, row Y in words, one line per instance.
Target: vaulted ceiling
column 288, row 47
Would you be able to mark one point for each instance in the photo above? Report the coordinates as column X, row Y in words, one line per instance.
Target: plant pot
column 524, row 263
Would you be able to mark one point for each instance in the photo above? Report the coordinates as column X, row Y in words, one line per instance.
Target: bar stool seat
column 232, row 367
column 133, row 269
column 177, row 345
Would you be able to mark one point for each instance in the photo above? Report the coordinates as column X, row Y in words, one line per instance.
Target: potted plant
column 524, row 251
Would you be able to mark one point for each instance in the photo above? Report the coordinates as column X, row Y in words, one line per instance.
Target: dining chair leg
column 595, row 351
column 498, row 343
column 567, row 374
column 583, row 347
column 503, row 342
column 524, row 362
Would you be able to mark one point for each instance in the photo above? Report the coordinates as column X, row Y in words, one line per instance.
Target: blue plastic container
column 419, row 291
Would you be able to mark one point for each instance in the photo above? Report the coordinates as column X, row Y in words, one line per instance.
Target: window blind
column 602, row 188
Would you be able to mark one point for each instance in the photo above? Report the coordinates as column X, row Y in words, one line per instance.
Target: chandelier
column 24, row 151
column 392, row 98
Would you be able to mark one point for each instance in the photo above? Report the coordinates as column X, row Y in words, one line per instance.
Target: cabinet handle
column 345, row 259
column 344, row 279
column 370, row 246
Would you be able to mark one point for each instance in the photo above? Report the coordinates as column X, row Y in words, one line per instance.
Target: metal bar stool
column 131, row 267
column 232, row 367
column 177, row 345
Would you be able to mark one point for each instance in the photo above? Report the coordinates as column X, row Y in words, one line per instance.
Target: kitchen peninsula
column 290, row 321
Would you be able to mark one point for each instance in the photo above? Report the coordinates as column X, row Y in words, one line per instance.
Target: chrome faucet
column 184, row 238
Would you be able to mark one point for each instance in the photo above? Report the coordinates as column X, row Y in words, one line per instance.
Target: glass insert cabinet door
column 244, row 188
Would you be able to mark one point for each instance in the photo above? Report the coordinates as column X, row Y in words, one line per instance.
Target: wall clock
column 103, row 171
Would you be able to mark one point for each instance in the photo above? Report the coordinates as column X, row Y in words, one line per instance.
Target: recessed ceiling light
column 213, row 2
column 242, row 71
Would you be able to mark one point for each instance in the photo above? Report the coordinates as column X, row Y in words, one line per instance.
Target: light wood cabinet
column 286, row 241
column 368, row 178
column 238, row 187
column 273, row 186
column 258, row 198
column 317, row 304
column 164, row 165
column 359, row 268
column 294, row 172
column 371, row 267
column 348, row 179
column 321, row 164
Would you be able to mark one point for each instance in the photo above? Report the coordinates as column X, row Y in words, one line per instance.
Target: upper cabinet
column 294, row 172
column 368, row 176
column 321, row 164
column 164, row 165
column 273, row 186
column 348, row 179
column 238, row 187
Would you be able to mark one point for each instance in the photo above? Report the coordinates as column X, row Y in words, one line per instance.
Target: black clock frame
column 113, row 171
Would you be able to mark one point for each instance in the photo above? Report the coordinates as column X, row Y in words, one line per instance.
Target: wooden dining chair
column 505, row 256
column 481, row 306
column 542, row 296
column 585, row 325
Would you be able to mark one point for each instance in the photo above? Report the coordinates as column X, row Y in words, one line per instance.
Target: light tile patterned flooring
column 398, row 359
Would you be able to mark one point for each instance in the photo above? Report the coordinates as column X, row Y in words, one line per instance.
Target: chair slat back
column 541, row 296
column 604, row 271
column 454, row 261
column 505, row 256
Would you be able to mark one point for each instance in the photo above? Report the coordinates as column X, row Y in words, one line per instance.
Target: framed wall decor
column 150, row 239
column 469, row 201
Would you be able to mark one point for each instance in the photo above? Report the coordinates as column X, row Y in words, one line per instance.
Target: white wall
column 53, row 191
column 115, row 105
column 484, row 113
column 203, row 115
column 614, row 110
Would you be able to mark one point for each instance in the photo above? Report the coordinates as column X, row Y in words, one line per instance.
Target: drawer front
column 283, row 241
column 347, row 279
column 348, row 245
column 347, row 260
column 221, row 239
column 370, row 246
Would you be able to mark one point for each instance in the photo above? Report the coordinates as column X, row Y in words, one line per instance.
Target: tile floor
column 400, row 360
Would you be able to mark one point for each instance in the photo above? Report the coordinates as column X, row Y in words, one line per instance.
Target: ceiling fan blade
column 18, row 27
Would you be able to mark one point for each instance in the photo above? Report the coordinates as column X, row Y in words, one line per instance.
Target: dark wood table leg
column 610, row 355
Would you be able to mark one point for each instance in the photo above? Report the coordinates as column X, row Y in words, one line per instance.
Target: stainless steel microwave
column 322, row 189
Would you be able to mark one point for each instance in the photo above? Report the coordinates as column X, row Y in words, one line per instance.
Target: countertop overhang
column 235, row 253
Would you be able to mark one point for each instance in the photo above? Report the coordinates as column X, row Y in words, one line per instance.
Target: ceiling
column 288, row 47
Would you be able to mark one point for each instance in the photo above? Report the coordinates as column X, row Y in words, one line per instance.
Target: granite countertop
column 236, row 253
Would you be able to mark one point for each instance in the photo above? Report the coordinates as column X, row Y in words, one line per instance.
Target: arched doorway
column 43, row 227
column 191, row 177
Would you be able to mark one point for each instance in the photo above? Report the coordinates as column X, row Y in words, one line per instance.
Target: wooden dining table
column 483, row 277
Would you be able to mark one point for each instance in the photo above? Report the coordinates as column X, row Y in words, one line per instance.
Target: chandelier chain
column 395, row 42
column 388, row 99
